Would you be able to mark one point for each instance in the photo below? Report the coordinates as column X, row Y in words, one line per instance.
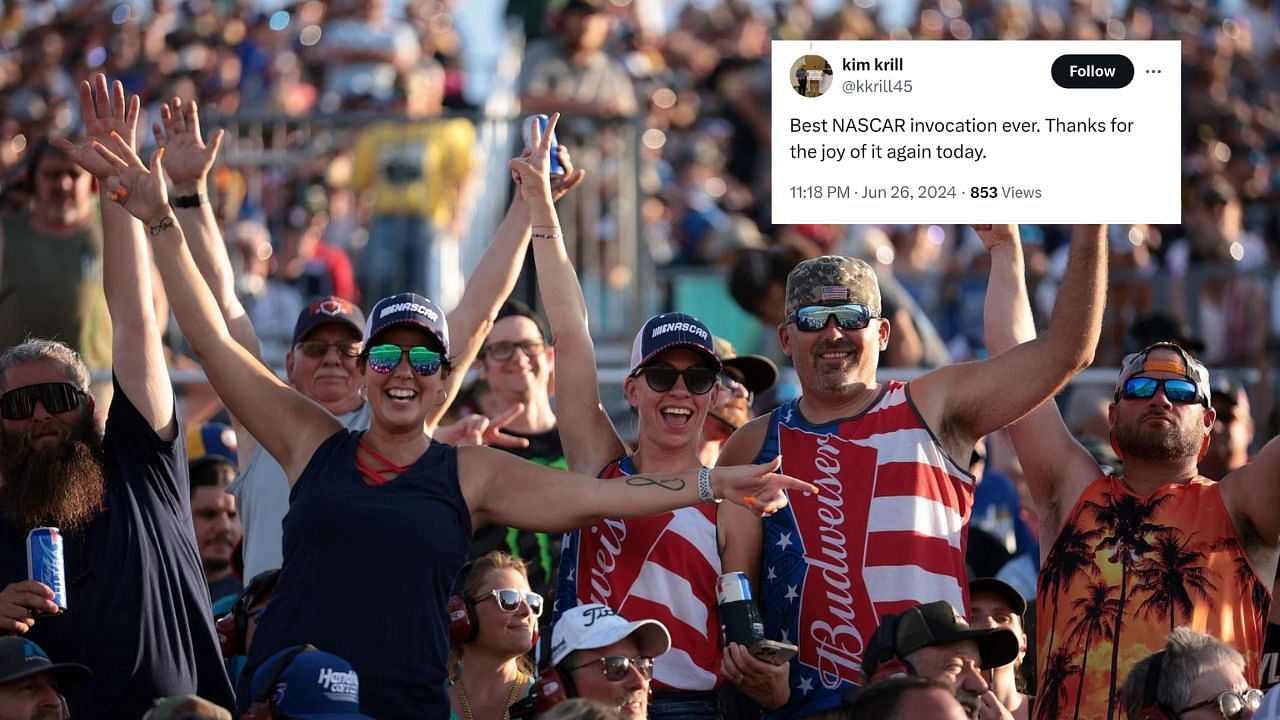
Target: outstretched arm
column 590, row 440
column 964, row 402
column 188, row 160
column 1057, row 467
column 288, row 425
column 551, row 500
column 136, row 349
column 492, row 281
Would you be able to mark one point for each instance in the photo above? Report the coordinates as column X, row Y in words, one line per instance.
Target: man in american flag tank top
column 889, row 529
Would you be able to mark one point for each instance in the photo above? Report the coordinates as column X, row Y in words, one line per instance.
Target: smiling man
column 322, row 366
column 888, row 531
column 602, row 656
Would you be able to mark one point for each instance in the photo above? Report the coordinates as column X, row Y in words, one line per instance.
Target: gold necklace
column 511, row 697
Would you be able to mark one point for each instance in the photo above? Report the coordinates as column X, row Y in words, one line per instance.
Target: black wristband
column 188, row 201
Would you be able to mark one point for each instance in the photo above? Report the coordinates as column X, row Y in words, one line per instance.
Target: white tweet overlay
column 964, row 132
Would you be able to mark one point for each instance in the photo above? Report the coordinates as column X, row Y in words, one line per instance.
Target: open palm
column 123, row 176
column 187, row 158
column 105, row 111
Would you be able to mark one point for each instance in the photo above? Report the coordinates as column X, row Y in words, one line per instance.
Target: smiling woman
column 389, row 511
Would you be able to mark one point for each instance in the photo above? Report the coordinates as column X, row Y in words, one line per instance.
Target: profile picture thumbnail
column 811, row 75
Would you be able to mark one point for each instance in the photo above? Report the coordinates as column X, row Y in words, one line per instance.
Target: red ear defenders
column 550, row 689
column 264, row 703
column 233, row 626
column 1152, row 708
column 464, row 625
column 884, row 662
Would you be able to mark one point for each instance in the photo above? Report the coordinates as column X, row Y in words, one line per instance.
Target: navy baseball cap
column 669, row 330
column 331, row 309
column 408, row 309
column 315, row 685
column 20, row 658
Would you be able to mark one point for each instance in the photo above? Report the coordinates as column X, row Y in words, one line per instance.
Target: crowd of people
column 434, row 514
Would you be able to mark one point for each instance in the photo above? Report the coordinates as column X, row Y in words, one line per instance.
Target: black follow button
column 1092, row 71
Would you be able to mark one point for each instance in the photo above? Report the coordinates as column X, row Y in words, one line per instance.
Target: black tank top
column 367, row 573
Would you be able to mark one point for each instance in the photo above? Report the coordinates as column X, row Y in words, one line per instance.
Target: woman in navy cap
column 380, row 521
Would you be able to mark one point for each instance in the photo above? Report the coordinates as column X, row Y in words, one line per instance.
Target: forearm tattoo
column 673, row 482
column 165, row 223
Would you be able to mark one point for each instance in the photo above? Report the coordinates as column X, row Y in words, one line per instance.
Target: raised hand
column 123, row 177
column 105, row 111
column 759, row 488
column 188, row 158
column 480, row 430
column 532, row 171
column 993, row 236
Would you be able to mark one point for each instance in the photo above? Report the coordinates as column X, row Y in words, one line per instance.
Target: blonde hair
column 477, row 575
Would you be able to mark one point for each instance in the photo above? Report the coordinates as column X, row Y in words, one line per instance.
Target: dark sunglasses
column 20, row 403
column 504, row 350
column 1231, row 704
column 812, row 318
column 1177, row 390
column 384, row 358
column 320, row 348
column 616, row 667
column 509, row 600
column 661, row 378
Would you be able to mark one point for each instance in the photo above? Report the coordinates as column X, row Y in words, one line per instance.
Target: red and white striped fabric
column 662, row 568
column 887, row 532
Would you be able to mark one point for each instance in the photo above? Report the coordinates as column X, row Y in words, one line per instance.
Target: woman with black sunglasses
column 489, row 670
column 380, row 521
column 661, row 566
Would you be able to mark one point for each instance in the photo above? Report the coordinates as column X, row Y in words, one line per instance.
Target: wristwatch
column 188, row 201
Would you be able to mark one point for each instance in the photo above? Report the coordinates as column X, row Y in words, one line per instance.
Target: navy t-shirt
column 137, row 602
column 367, row 574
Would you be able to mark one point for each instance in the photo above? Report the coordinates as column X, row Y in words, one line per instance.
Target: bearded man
column 136, row 603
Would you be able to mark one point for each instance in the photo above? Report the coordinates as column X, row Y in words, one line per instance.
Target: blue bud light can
column 44, row 562
column 527, row 131
column 739, row 617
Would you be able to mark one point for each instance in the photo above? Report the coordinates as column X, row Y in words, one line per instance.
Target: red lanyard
column 374, row 476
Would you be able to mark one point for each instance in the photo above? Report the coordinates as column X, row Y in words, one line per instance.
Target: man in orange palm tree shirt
column 1135, row 555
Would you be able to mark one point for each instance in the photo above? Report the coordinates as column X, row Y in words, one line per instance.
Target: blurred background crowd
column 368, row 140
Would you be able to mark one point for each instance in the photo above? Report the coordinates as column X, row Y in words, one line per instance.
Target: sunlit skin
column 1156, row 430
column 30, row 698
column 489, row 663
column 630, row 694
column 670, row 421
column 402, row 397
column 989, row 610
column 332, row 380
column 958, row 664
column 217, row 527
column 508, row 634
column 35, row 373
column 834, row 363
column 520, row 379
column 1208, row 685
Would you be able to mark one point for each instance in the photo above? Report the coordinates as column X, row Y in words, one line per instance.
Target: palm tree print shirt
column 1123, row 572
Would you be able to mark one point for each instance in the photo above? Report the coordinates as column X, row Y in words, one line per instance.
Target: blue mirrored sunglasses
column 1177, row 390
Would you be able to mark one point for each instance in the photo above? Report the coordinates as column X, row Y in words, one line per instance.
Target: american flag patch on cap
column 834, row 292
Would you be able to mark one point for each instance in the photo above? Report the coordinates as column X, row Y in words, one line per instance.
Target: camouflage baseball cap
column 1186, row 366
column 832, row 280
